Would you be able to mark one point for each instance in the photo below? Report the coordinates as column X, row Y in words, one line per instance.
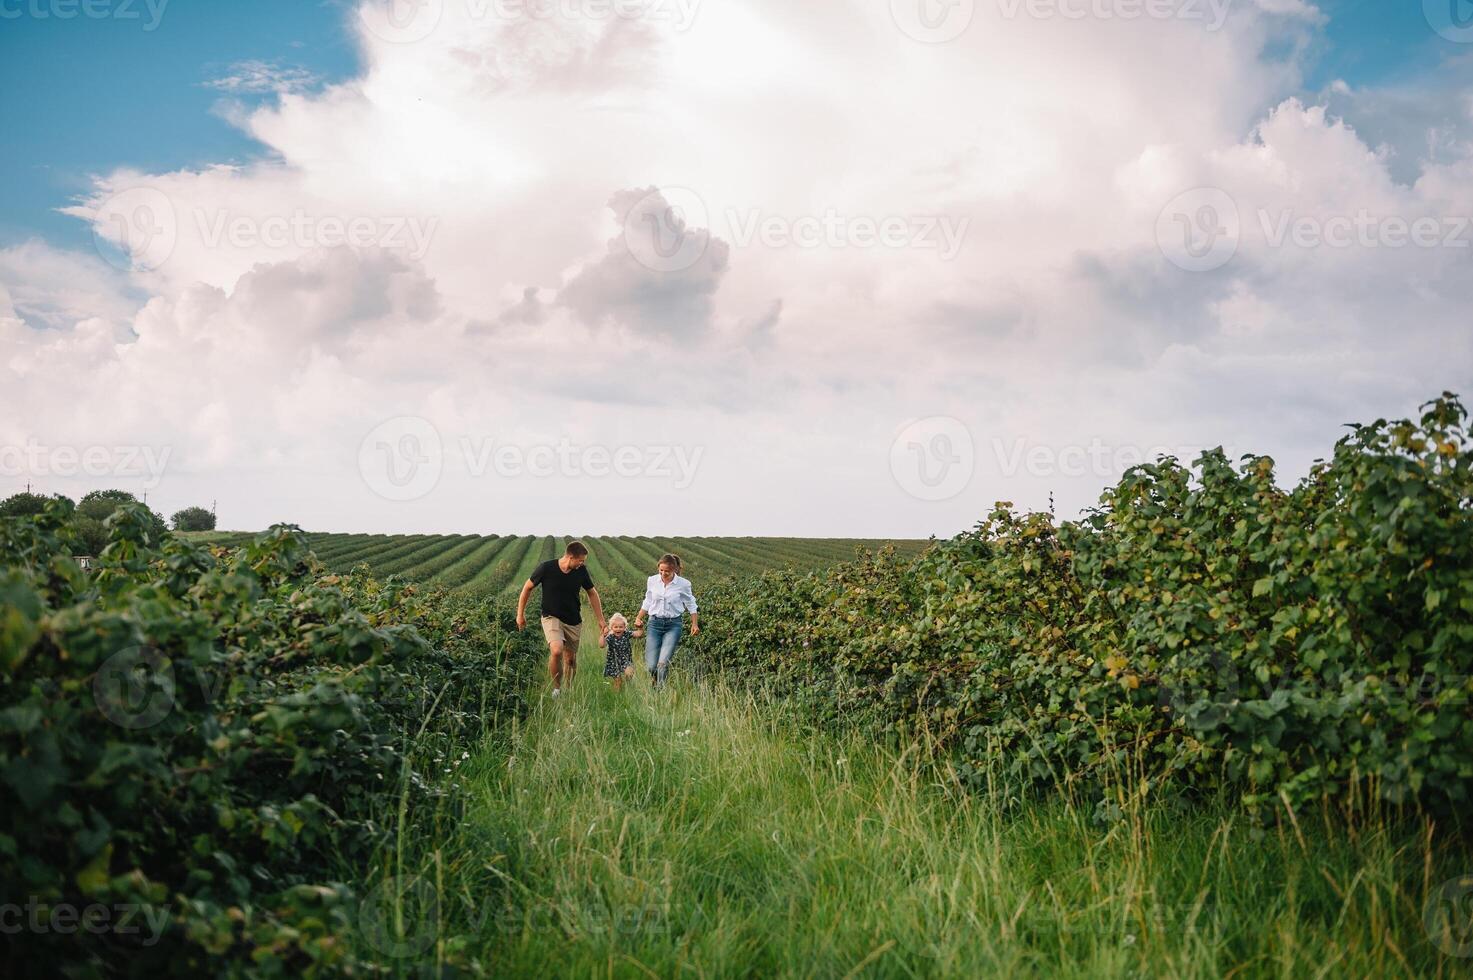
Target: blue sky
column 91, row 94
column 1372, row 42
column 86, row 95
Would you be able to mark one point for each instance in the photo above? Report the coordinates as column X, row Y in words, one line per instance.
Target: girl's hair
column 618, row 618
column 671, row 560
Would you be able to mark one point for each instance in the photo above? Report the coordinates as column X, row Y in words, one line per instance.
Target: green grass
column 697, row 832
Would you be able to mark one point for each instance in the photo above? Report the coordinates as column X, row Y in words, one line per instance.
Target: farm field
column 1041, row 747
column 1052, row 411
column 491, row 564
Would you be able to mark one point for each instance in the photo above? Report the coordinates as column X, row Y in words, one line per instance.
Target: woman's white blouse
column 668, row 600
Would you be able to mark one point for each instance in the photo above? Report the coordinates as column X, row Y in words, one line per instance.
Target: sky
column 716, row 266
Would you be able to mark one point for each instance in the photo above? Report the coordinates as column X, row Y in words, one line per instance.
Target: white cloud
column 255, row 77
column 660, row 275
column 54, row 289
column 1293, row 8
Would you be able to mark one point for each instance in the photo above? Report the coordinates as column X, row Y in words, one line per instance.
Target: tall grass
column 699, row 832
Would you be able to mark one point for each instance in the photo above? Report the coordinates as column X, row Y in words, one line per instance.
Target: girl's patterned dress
column 618, row 656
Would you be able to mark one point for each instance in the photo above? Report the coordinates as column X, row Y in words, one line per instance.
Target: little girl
column 619, row 660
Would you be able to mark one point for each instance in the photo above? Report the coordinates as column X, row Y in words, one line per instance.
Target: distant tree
column 101, row 503
column 194, row 519
column 98, row 506
column 25, row 504
column 88, row 535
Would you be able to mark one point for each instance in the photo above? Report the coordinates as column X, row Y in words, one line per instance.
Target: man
column 666, row 596
column 561, row 579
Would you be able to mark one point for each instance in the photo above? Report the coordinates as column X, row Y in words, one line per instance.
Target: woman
column 666, row 596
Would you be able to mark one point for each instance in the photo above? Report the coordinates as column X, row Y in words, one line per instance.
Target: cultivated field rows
column 498, row 563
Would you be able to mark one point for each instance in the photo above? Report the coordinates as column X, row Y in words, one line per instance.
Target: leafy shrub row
column 203, row 737
column 86, row 529
column 1201, row 627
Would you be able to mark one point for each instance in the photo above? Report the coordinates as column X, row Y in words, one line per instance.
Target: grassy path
column 695, row 833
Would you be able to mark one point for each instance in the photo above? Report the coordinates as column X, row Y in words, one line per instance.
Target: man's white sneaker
column 555, row 692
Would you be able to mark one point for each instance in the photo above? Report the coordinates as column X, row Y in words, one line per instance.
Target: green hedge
column 203, row 738
column 1200, row 628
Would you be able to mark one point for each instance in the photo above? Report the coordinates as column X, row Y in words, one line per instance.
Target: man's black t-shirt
column 560, row 590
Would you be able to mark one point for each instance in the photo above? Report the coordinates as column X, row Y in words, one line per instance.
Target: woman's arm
column 644, row 607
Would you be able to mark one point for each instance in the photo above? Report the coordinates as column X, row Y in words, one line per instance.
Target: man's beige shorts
column 558, row 631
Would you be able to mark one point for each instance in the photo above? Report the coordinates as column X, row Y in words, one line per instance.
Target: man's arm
column 598, row 609
column 522, row 604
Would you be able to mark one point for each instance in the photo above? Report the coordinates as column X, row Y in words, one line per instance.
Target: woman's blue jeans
column 660, row 639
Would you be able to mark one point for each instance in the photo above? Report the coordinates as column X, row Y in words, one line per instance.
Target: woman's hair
column 671, row 560
column 617, row 618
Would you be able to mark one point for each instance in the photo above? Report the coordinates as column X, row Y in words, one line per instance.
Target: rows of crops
column 496, row 563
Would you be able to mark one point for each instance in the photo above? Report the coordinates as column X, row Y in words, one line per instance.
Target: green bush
column 1201, row 627
column 206, row 735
